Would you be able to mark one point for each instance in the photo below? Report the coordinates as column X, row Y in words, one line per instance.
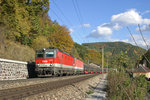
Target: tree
column 61, row 39
column 22, row 18
column 26, row 21
column 94, row 56
column 121, row 61
column 40, row 42
column 82, row 52
column 15, row 17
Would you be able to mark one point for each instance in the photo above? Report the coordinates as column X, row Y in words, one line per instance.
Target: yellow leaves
column 40, row 42
column 94, row 56
column 135, row 51
column 61, row 39
column 21, row 16
column 17, row 34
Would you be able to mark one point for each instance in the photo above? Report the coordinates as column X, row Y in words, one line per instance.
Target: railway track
column 25, row 91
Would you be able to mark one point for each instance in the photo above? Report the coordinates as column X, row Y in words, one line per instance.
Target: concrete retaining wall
column 13, row 70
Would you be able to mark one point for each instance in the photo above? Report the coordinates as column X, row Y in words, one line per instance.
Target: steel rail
column 25, row 91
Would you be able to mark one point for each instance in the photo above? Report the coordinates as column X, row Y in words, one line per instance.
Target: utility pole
column 107, row 64
column 102, row 58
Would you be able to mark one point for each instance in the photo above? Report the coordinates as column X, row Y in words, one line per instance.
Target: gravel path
column 99, row 91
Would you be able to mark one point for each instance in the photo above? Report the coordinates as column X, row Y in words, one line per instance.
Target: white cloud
column 118, row 21
column 86, row 25
column 101, row 31
column 145, row 12
column 146, row 21
column 115, row 26
column 125, row 40
column 71, row 30
column 144, row 28
column 104, row 30
column 130, row 17
column 138, row 40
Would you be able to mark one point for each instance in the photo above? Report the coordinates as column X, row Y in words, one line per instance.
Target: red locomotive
column 52, row 61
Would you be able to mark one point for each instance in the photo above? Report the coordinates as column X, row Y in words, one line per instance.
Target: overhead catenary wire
column 57, row 16
column 62, row 13
column 80, row 16
column 77, row 10
column 143, row 36
column 68, row 21
column 63, row 16
column 137, row 45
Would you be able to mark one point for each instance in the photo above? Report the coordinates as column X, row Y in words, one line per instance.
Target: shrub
column 122, row 87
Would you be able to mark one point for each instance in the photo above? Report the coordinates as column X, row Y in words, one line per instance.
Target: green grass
column 90, row 92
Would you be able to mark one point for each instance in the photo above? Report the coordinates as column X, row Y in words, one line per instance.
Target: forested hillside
column 113, row 50
column 88, row 55
column 25, row 23
column 25, row 27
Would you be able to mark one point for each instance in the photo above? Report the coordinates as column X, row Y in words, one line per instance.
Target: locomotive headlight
column 51, row 64
column 38, row 65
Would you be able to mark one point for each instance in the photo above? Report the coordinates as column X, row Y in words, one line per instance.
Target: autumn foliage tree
column 61, row 39
column 15, row 17
column 40, row 42
column 94, row 56
column 27, row 22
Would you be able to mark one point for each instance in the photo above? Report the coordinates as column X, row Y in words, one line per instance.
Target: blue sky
column 103, row 20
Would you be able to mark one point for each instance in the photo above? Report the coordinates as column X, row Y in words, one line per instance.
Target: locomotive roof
column 52, row 48
column 64, row 52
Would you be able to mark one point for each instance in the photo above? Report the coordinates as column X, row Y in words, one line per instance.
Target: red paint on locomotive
column 55, row 61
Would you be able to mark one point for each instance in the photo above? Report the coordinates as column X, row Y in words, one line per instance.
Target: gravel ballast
column 27, row 82
column 77, row 91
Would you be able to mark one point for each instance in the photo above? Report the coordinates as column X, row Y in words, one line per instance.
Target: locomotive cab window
column 40, row 55
column 49, row 54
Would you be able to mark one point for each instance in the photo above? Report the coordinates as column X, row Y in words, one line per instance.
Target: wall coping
column 12, row 61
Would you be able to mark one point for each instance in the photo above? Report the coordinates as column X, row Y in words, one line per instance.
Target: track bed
column 25, row 91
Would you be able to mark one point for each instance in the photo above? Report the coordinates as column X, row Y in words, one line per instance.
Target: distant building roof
column 94, row 65
column 141, row 69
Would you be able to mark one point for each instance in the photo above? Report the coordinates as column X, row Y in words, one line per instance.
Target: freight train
column 54, row 62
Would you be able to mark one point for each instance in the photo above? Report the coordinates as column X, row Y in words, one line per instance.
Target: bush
column 122, row 87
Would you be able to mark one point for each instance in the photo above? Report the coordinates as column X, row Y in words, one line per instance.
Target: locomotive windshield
column 46, row 53
column 40, row 55
column 49, row 54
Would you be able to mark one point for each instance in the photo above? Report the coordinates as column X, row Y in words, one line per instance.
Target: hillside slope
column 114, row 49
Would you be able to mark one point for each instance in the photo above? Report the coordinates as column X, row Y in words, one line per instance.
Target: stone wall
column 13, row 70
